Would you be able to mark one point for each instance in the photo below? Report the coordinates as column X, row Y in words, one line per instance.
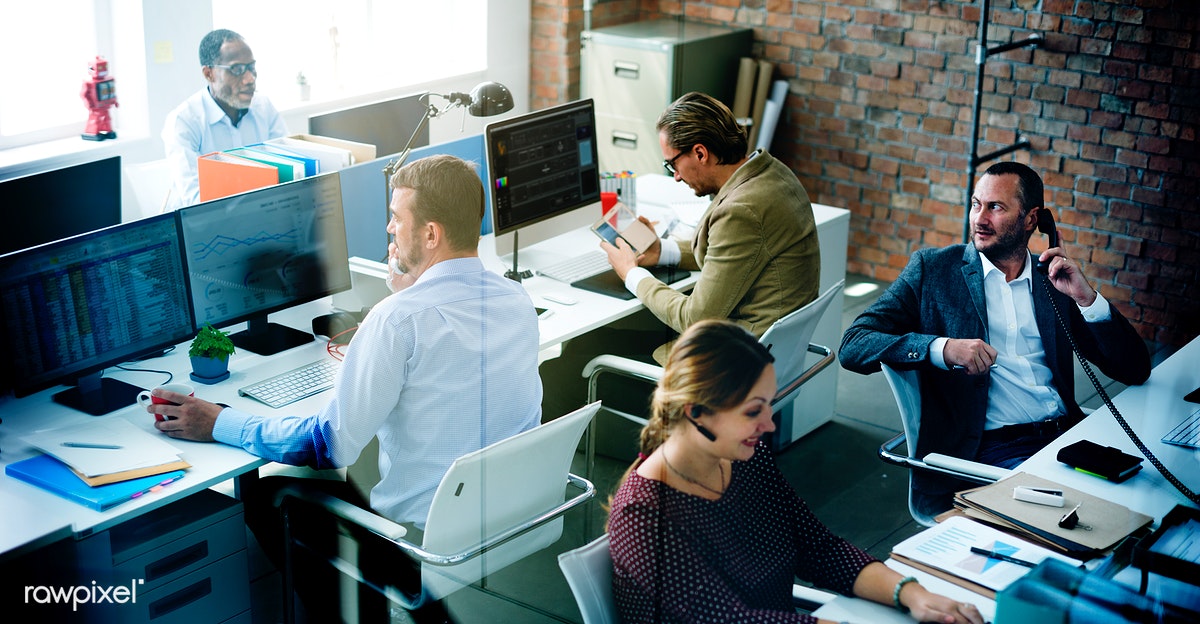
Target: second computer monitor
column 544, row 174
column 259, row 252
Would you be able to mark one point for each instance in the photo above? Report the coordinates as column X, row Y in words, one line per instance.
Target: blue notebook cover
column 50, row 474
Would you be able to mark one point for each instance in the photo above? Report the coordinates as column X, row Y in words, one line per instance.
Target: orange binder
column 224, row 174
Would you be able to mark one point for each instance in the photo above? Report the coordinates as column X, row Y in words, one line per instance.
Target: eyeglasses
column 237, row 69
column 669, row 164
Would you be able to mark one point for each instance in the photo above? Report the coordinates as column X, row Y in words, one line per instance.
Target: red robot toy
column 100, row 93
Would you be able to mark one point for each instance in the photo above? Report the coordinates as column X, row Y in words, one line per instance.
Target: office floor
column 834, row 469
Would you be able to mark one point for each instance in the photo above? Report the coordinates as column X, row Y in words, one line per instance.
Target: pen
column 990, row 554
column 89, row 445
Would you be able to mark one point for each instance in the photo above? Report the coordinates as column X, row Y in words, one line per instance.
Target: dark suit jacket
column 940, row 293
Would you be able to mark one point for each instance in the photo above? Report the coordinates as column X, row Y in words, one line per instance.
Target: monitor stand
column 265, row 338
column 97, row 395
column 515, row 274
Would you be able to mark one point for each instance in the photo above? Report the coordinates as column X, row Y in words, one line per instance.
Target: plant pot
column 209, row 370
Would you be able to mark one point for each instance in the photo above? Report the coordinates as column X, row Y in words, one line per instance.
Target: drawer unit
column 633, row 71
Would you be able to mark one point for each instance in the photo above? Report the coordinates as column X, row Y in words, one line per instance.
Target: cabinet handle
column 625, row 69
column 177, row 561
column 627, row 140
column 180, row 599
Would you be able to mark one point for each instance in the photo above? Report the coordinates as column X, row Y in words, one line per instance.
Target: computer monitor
column 56, row 204
column 387, row 124
column 262, row 251
column 544, row 174
column 72, row 307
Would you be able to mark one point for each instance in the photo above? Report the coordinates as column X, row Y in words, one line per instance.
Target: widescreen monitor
column 72, row 307
column 266, row 250
column 56, row 204
column 387, row 124
column 543, row 173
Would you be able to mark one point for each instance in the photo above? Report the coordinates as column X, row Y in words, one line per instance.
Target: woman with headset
column 704, row 527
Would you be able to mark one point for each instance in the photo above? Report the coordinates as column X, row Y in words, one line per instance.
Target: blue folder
column 52, row 475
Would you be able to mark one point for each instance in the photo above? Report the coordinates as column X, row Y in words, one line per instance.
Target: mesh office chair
column 589, row 572
column 789, row 341
column 905, row 385
column 493, row 507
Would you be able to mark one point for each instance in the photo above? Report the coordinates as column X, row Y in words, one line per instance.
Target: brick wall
column 878, row 121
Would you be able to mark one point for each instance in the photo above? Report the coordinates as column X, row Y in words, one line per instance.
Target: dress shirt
column 440, row 369
column 198, row 126
column 1021, row 389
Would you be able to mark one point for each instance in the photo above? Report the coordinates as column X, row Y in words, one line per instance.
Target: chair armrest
column 827, row 357
column 964, row 469
column 622, row 366
column 809, row 598
column 352, row 514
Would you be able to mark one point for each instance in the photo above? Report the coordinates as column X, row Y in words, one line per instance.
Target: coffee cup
column 145, row 399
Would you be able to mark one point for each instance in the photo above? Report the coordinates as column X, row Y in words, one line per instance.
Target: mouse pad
column 607, row 283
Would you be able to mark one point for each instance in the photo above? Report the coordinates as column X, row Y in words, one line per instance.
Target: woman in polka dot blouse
column 705, row 528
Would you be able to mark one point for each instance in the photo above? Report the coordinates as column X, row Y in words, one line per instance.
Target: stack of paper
column 1102, row 524
column 944, row 550
column 87, row 450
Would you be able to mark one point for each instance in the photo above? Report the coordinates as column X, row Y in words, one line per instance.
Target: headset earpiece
column 695, row 413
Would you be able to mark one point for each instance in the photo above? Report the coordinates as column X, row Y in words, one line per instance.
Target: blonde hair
column 446, row 190
column 712, row 367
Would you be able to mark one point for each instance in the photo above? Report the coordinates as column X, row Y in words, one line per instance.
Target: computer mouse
column 332, row 325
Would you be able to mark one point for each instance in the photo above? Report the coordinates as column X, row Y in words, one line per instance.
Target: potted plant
column 210, row 353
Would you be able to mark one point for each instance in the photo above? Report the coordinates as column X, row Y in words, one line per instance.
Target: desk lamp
column 485, row 100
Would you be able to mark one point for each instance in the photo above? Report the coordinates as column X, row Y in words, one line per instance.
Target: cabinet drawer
column 628, row 145
column 185, row 554
column 626, row 82
column 214, row 593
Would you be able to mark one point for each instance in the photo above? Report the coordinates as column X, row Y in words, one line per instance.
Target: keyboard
column 293, row 385
column 577, row 268
column 1187, row 433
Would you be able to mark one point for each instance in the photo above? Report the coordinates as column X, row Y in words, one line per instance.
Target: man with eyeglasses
column 756, row 244
column 224, row 115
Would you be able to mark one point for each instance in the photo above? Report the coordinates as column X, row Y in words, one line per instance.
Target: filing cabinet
column 186, row 561
column 633, row 71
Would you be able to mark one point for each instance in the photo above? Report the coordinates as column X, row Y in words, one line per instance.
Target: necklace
column 675, row 470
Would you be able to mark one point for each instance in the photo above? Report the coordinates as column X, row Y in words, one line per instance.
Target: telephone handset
column 1046, row 225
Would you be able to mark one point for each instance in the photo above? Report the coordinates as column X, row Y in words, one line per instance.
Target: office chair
column 905, row 385
column 589, row 571
column 493, row 507
column 788, row 338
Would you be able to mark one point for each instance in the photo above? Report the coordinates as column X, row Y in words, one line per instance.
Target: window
column 356, row 46
column 44, row 71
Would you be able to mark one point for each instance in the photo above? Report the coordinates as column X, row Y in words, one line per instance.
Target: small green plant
column 211, row 342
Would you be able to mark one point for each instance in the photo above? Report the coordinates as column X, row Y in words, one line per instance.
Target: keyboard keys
column 578, row 267
column 293, row 385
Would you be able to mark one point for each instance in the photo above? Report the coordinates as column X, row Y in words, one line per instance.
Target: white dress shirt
column 440, row 369
column 1021, row 387
column 198, row 126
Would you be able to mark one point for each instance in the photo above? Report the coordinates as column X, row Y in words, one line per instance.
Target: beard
column 1006, row 244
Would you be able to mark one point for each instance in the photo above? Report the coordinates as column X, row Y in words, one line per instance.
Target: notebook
column 54, row 476
column 607, row 282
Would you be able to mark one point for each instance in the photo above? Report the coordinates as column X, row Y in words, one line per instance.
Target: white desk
column 1152, row 409
column 33, row 517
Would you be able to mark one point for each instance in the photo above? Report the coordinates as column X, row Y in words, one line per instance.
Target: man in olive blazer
column 756, row 245
column 977, row 365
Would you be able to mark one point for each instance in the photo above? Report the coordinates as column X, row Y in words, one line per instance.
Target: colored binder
column 54, row 476
column 224, row 174
column 312, row 166
column 289, row 168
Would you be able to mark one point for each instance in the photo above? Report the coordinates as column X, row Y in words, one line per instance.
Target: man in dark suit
column 996, row 375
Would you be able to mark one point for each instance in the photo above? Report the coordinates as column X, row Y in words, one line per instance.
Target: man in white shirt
column 443, row 367
column 225, row 114
column 976, row 321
